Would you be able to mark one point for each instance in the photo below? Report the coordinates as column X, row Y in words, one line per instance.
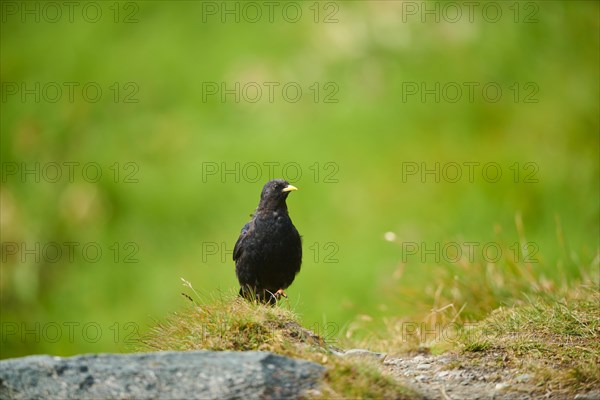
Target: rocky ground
column 449, row 377
column 454, row 376
column 229, row 375
column 436, row 378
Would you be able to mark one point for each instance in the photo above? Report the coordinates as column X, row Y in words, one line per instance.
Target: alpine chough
column 268, row 253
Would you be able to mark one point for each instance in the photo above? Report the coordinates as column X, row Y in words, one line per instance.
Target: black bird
column 268, row 252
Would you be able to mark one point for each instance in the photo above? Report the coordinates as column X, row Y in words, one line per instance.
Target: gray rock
column 393, row 361
column 443, row 374
column 162, row 375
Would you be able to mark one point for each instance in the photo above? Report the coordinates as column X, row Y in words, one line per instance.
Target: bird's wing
column 239, row 245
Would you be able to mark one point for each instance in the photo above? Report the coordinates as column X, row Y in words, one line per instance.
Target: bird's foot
column 274, row 297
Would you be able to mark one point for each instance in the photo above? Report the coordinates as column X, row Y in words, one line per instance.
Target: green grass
column 466, row 291
column 227, row 322
column 553, row 335
column 557, row 339
column 523, row 321
column 349, row 270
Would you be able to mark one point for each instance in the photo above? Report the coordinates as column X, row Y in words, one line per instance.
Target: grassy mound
column 558, row 340
column 227, row 322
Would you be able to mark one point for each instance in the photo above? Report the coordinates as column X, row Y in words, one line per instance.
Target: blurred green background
column 164, row 144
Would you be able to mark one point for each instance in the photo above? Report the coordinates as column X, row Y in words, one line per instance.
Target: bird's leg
column 275, row 296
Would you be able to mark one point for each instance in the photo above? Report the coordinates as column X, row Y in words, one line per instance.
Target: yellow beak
column 289, row 188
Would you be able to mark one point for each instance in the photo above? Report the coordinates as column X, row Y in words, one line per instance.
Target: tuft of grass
column 508, row 315
column 471, row 285
column 557, row 339
column 468, row 290
column 228, row 322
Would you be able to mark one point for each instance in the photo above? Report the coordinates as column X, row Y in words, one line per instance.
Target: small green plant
column 478, row 346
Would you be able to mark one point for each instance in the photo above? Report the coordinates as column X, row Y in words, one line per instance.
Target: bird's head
column 274, row 194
